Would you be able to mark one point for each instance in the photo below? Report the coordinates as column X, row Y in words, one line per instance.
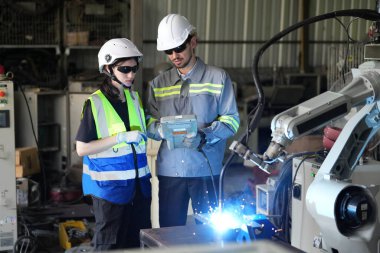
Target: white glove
column 160, row 131
column 130, row 137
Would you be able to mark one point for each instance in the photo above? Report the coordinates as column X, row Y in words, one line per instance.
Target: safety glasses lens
column 178, row 49
column 127, row 69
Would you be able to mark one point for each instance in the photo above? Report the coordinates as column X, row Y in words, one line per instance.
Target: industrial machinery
column 305, row 234
column 346, row 213
column 8, row 211
column 305, row 231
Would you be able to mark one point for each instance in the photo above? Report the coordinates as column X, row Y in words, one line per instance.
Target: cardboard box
column 27, row 162
column 77, row 38
column 309, row 143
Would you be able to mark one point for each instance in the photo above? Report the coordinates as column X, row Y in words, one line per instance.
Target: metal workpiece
column 202, row 238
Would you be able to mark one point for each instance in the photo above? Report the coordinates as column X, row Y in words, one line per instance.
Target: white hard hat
column 115, row 49
column 173, row 30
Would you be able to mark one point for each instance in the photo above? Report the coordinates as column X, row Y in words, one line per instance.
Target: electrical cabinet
column 76, row 101
column 305, row 230
column 42, row 117
column 8, row 212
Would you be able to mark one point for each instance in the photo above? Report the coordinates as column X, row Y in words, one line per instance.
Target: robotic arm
column 319, row 111
column 347, row 214
column 315, row 113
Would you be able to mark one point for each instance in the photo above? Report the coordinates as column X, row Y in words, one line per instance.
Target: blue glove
column 209, row 134
column 194, row 142
column 191, row 141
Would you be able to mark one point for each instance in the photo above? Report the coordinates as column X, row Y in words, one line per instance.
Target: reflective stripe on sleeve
column 230, row 121
column 167, row 91
column 197, row 88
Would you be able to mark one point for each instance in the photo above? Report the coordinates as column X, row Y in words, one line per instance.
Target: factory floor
column 237, row 186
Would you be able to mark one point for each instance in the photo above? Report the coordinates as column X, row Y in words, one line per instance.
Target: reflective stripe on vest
column 114, row 175
column 103, row 112
column 135, row 108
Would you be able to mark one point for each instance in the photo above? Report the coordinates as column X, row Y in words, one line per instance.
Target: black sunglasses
column 178, row 49
column 127, row 69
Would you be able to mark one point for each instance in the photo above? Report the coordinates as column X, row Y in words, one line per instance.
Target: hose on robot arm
column 360, row 13
column 239, row 147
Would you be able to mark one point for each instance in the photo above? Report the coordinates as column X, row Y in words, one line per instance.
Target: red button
column 2, row 93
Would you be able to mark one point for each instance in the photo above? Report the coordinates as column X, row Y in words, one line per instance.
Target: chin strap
column 114, row 78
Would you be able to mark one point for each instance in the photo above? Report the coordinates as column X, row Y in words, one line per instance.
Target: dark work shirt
column 87, row 128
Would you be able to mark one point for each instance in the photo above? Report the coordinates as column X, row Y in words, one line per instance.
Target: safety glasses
column 178, row 49
column 127, row 69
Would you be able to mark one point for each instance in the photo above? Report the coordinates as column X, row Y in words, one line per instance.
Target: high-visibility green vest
column 111, row 174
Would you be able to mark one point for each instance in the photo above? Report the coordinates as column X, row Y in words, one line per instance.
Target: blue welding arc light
column 223, row 221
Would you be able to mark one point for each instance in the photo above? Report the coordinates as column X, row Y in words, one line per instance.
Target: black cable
column 44, row 193
column 282, row 194
column 29, row 114
column 298, row 167
column 360, row 13
column 348, row 33
column 30, row 241
column 202, row 143
column 221, row 180
column 211, row 174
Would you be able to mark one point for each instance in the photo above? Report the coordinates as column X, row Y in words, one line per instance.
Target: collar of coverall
column 195, row 75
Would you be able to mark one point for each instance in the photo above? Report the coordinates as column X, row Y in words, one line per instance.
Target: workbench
column 203, row 236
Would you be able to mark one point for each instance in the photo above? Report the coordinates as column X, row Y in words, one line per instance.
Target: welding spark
column 222, row 221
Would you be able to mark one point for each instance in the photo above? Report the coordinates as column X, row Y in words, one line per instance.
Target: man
column 190, row 88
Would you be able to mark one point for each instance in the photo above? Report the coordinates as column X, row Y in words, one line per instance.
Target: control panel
column 8, row 211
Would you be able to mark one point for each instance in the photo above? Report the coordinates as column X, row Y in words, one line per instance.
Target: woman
column 112, row 140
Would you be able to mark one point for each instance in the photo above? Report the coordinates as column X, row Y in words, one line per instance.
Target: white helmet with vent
column 115, row 49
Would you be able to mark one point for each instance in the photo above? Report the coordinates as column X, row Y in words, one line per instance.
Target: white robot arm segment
column 320, row 110
column 347, row 214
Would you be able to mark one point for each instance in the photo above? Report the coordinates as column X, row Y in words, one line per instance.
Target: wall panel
column 231, row 31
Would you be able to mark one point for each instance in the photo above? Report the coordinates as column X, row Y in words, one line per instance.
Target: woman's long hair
column 106, row 87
